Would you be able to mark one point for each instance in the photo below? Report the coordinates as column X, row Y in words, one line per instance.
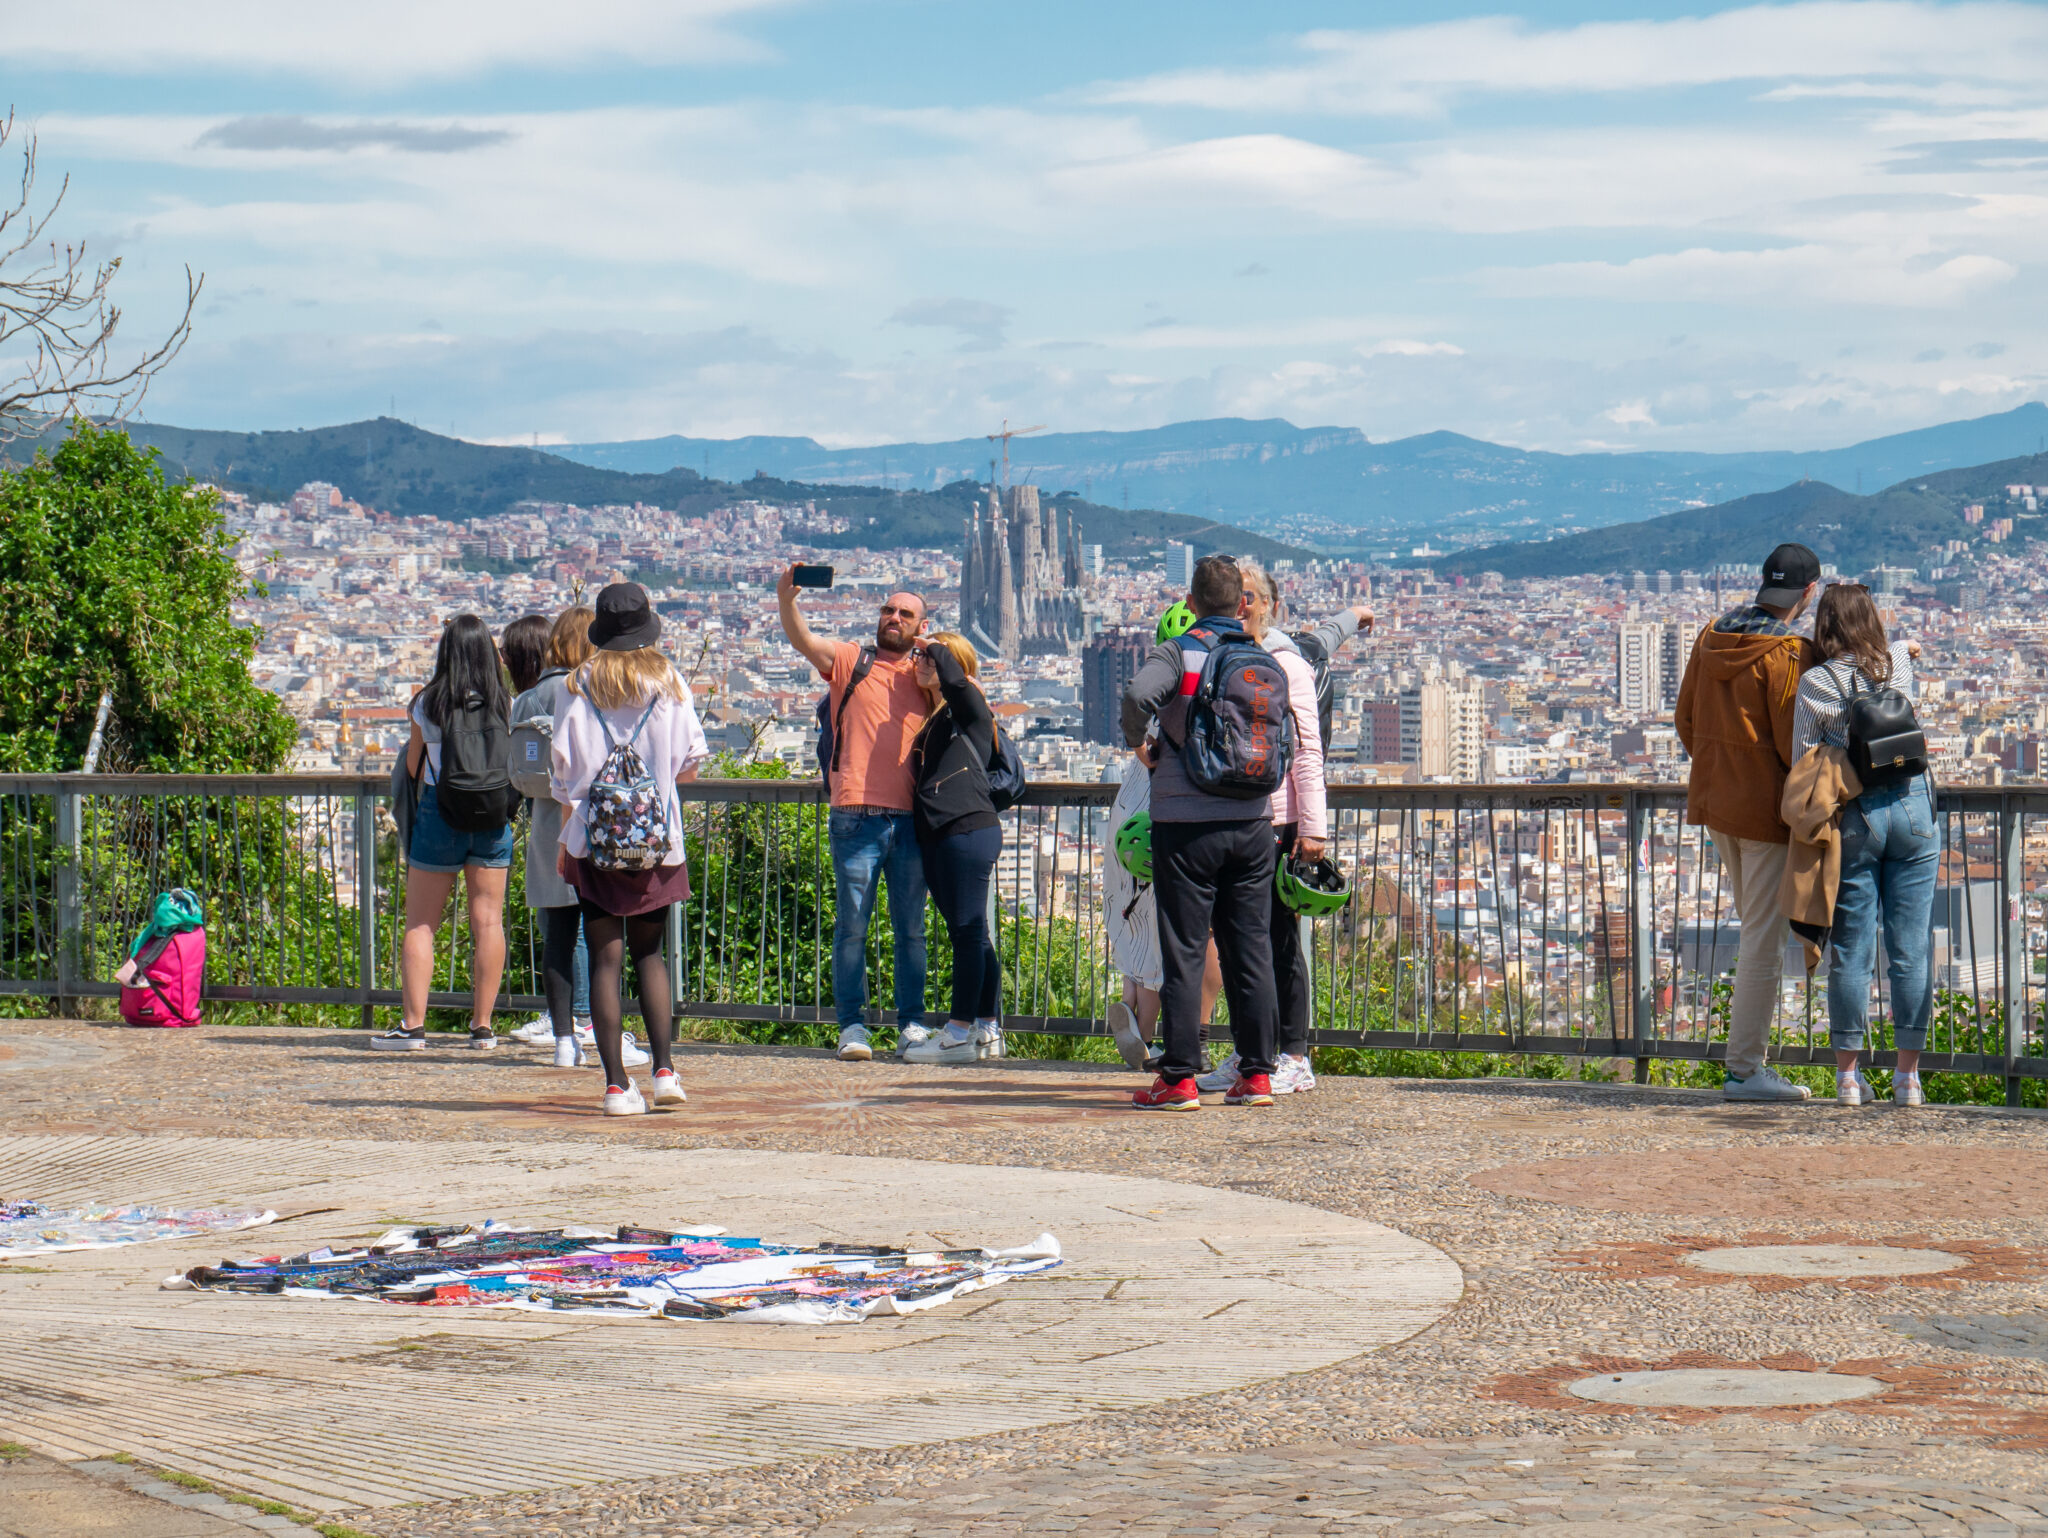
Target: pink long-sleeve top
column 1301, row 797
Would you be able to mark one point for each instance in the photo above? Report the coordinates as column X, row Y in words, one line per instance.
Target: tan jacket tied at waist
column 1816, row 790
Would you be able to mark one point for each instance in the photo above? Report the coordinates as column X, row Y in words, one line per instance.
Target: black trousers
column 1215, row 877
column 1290, row 964
column 957, row 870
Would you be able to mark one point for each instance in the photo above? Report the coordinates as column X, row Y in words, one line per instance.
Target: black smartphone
column 811, row 576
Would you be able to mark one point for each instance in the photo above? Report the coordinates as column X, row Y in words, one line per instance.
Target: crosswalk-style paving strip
column 340, row 1404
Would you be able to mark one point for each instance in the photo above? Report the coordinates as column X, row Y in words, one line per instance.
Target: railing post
column 70, row 852
column 366, row 902
column 1642, row 931
column 2011, row 881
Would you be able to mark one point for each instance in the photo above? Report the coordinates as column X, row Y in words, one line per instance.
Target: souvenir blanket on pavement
column 636, row 1272
column 31, row 1228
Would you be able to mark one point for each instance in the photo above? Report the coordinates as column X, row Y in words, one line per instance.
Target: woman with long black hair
column 467, row 693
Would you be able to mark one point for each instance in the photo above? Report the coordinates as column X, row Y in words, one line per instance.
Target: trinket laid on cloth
column 634, row 1272
column 31, row 1228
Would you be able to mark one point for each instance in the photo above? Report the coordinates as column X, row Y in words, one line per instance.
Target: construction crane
column 1004, row 438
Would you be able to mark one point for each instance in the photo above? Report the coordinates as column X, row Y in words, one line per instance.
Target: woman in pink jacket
column 1300, row 821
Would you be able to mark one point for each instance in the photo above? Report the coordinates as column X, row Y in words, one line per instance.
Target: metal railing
column 1584, row 920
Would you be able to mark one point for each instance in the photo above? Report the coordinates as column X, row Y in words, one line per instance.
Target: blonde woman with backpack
column 628, row 736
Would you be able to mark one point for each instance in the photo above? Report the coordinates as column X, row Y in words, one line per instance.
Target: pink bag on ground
column 168, row 972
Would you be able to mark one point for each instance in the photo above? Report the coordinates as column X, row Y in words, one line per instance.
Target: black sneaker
column 399, row 1039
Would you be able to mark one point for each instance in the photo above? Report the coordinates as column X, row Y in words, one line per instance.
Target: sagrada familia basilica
column 1021, row 579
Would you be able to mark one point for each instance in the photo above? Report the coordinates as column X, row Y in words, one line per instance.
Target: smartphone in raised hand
column 811, row 576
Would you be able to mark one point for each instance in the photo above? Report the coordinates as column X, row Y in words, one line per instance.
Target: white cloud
column 1424, row 69
column 1790, row 275
column 1630, row 414
column 1403, row 347
column 375, row 42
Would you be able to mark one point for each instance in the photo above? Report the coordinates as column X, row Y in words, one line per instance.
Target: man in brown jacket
column 1735, row 719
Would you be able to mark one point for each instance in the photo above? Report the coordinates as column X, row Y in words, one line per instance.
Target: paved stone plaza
column 1391, row 1306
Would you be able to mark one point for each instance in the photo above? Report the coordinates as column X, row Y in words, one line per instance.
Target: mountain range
column 1274, row 476
column 1892, row 527
column 396, row 467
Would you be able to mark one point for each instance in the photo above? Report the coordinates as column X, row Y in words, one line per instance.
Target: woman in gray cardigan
column 565, row 963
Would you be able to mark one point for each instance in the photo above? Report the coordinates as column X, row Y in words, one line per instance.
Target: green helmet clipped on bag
column 1314, row 888
column 1134, row 845
column 1178, row 620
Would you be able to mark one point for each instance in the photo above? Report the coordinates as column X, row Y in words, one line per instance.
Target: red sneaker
column 1163, row 1096
column 1250, row 1089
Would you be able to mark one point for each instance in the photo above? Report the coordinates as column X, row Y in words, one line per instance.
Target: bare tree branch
column 56, row 309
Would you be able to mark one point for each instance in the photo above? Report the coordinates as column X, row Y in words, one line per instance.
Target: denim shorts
column 438, row 847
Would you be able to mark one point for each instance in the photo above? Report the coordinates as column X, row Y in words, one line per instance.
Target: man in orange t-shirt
column 873, row 835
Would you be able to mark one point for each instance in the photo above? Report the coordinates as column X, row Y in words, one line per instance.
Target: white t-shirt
column 1130, row 915
column 430, row 771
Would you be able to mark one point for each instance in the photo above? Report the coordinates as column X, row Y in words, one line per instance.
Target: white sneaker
column 1123, row 1029
column 586, row 1033
column 853, row 1044
column 1863, row 1084
column 398, row 1039
column 537, row 1032
column 1848, row 1089
column 1766, row 1084
column 988, row 1038
column 624, row 1102
column 634, row 1055
column 1218, row 1079
column 913, row 1036
column 1906, row 1089
column 1293, row 1076
column 955, row 1044
column 568, row 1054
column 666, row 1090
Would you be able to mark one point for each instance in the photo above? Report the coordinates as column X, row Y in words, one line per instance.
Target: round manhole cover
column 1723, row 1388
column 1824, row 1260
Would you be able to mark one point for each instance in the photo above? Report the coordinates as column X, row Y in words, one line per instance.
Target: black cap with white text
column 1788, row 573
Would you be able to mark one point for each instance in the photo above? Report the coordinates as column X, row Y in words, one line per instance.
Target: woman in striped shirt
column 1891, row 851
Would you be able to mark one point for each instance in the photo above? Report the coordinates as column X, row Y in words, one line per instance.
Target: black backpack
column 474, row 791
column 1005, row 773
column 1326, row 688
column 1886, row 745
column 828, row 722
column 1235, row 732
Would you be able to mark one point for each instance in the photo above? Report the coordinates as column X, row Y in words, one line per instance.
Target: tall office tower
column 1465, row 730
column 1639, row 666
column 1679, row 636
column 1180, row 564
column 1443, row 728
column 1108, row 664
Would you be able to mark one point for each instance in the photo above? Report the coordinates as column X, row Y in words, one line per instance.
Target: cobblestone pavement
column 1468, row 1423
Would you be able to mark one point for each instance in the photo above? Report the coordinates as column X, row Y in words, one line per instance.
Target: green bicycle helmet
column 1178, row 619
column 1312, row 887
column 1134, row 845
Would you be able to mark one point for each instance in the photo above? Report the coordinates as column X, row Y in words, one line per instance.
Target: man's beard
column 893, row 639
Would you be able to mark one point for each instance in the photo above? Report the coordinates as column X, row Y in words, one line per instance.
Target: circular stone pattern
column 1723, row 1388
column 1824, row 1260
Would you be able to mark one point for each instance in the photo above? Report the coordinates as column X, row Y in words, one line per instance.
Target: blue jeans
column 866, row 848
column 1891, row 851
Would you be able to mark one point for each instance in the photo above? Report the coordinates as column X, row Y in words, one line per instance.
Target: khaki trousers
column 1753, row 870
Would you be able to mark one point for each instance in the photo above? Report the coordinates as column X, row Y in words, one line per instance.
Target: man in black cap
column 1735, row 719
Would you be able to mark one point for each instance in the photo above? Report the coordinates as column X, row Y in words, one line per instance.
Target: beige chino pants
column 1753, row 870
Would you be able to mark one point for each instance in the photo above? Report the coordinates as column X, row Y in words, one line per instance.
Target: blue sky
column 1564, row 226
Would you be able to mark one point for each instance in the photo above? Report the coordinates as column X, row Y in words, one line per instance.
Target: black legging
column 1290, row 965
column 608, row 937
column 558, row 965
column 957, row 870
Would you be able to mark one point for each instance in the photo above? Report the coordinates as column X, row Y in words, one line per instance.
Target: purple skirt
column 623, row 893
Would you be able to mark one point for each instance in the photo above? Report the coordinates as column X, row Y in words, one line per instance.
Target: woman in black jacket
column 960, row 836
